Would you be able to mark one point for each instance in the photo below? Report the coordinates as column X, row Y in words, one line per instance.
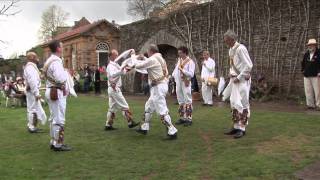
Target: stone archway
column 170, row 54
column 162, row 37
column 168, row 45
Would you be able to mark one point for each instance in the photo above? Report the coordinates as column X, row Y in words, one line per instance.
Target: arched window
column 101, row 46
column 102, row 50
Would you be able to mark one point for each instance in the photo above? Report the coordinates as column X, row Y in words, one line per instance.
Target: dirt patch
column 207, row 138
column 311, row 172
column 149, row 176
column 285, row 144
column 183, row 162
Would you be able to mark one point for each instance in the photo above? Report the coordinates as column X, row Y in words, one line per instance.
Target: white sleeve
column 113, row 72
column 31, row 76
column 143, row 64
column 59, row 73
column 189, row 72
column 246, row 63
column 210, row 65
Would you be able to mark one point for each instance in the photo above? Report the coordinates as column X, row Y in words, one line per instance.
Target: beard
column 311, row 50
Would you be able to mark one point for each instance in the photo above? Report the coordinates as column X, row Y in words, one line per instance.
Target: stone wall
column 275, row 32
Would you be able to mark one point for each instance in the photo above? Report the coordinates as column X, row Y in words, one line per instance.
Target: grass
column 277, row 145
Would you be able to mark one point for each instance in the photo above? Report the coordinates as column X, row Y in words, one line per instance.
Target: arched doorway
column 170, row 54
column 102, row 50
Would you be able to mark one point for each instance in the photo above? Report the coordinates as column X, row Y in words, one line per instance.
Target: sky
column 21, row 31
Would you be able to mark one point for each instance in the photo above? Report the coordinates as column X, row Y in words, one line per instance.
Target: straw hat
column 312, row 42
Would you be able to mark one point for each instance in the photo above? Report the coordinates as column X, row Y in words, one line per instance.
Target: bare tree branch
column 142, row 8
column 8, row 6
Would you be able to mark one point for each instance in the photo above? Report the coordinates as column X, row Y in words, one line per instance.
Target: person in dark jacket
column 87, row 79
column 96, row 79
column 311, row 71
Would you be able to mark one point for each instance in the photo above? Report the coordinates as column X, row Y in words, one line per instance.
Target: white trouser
column 184, row 97
column 242, row 101
column 206, row 93
column 184, row 94
column 35, row 111
column 312, row 90
column 57, row 117
column 157, row 103
column 116, row 101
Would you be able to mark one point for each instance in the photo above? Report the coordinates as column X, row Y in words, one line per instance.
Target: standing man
column 239, row 86
column 311, row 71
column 116, row 99
column 87, row 79
column 182, row 74
column 157, row 70
column 31, row 75
column 96, row 78
column 56, row 95
column 208, row 71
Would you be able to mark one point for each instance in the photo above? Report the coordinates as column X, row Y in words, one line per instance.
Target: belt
column 58, row 87
column 156, row 81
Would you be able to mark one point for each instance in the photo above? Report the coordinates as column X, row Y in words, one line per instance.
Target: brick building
column 85, row 43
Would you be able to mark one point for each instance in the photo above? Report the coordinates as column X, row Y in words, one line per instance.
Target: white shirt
column 32, row 78
column 241, row 61
column 188, row 69
column 56, row 71
column 311, row 55
column 208, row 68
column 114, row 74
column 154, row 65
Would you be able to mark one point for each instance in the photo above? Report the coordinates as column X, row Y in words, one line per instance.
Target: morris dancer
column 56, row 94
column 208, row 71
column 35, row 111
column 156, row 68
column 182, row 74
column 239, row 86
column 116, row 98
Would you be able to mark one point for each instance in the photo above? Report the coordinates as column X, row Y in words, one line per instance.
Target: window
column 101, row 46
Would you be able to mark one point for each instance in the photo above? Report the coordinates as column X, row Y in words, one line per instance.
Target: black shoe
column 204, row 104
column 311, row 108
column 172, row 137
column 239, row 134
column 180, row 121
column 109, row 128
column 231, row 132
column 51, row 146
column 141, row 131
column 188, row 123
column 34, row 131
column 133, row 124
column 62, row 148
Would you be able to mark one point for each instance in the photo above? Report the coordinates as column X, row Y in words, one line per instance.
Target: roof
column 79, row 31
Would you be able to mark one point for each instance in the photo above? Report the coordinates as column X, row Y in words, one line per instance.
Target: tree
column 8, row 8
column 142, row 8
column 52, row 18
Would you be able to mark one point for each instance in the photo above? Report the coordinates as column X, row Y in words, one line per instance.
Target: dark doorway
column 170, row 54
column 103, row 58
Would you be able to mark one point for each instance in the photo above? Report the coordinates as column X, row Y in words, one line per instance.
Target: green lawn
column 277, row 144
